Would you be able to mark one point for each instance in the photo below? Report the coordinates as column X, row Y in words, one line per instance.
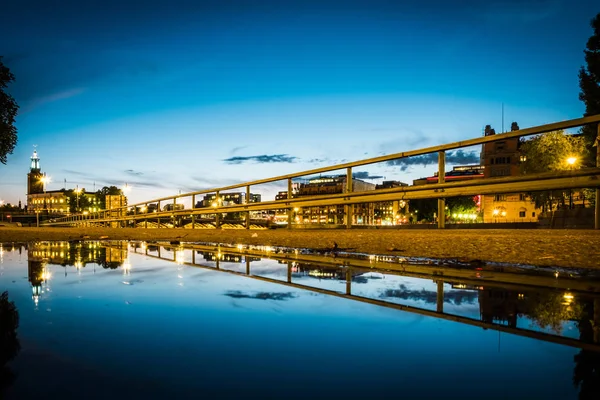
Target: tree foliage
column 589, row 83
column 549, row 152
column 428, row 207
column 107, row 190
column 8, row 113
column 77, row 201
column 9, row 322
column 550, row 312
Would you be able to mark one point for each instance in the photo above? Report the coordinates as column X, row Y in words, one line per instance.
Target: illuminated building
column 333, row 184
column 500, row 159
column 226, row 199
column 40, row 200
column 388, row 212
column 458, row 173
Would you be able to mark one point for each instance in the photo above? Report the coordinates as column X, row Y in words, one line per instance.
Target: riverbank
column 539, row 247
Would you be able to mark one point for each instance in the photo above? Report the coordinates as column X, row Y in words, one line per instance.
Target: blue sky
column 182, row 96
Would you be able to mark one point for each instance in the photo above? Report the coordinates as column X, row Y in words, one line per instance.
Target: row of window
column 51, row 200
column 500, row 160
column 502, row 197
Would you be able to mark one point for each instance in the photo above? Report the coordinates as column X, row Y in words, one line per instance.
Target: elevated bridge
column 181, row 210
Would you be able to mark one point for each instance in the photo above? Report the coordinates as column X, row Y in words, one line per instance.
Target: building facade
column 502, row 158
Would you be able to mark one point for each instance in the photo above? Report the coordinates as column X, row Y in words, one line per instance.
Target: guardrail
column 583, row 178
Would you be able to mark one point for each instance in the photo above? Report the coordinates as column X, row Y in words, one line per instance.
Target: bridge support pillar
column 248, row 202
column 440, row 296
column 289, row 272
column 247, row 264
column 348, row 281
column 441, row 214
column 348, row 207
column 290, row 210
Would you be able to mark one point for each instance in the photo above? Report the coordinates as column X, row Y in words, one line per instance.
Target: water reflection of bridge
column 501, row 296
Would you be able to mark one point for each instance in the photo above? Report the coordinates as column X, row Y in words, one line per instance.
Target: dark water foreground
column 136, row 320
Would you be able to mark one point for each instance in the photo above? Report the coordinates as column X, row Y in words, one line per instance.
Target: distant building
column 500, row 159
column 458, row 173
column 326, row 185
column 226, row 199
column 40, row 200
column 389, row 212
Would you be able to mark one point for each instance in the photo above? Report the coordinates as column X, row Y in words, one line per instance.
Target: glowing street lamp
column 77, row 191
column 571, row 161
column 45, row 180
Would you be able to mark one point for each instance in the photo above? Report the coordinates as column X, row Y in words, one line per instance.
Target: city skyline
column 169, row 97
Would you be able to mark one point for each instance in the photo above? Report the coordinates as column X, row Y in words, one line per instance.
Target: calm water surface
column 135, row 320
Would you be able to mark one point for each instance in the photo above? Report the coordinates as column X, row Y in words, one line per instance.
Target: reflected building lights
column 126, row 267
column 179, row 256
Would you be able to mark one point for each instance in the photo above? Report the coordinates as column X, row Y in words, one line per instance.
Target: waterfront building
column 55, row 202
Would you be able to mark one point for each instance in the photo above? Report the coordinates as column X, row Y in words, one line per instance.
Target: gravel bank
column 553, row 248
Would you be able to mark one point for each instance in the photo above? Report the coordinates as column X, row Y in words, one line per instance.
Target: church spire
column 35, row 160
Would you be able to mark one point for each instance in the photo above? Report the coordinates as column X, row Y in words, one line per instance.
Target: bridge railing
column 581, row 178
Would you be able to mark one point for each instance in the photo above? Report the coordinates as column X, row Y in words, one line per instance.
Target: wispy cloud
column 366, row 175
column 262, row 159
column 236, row 149
column 134, row 173
column 457, row 157
column 65, row 94
column 408, row 139
column 236, row 294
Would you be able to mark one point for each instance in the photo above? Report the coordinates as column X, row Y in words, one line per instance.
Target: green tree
column 423, row 209
column 461, row 205
column 551, row 152
column 77, row 201
column 8, row 112
column 550, row 311
column 107, row 190
column 589, row 83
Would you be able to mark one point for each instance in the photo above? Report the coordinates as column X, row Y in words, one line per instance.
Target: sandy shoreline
column 553, row 248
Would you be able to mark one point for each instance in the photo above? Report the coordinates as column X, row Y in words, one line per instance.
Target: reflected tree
column 586, row 374
column 9, row 342
column 550, row 310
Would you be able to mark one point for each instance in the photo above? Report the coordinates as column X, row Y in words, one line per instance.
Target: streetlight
column 45, row 180
column 571, row 161
column 77, row 191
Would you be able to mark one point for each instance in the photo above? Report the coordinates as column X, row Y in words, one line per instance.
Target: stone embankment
column 538, row 247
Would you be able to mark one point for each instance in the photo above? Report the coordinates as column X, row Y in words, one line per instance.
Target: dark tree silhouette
column 8, row 112
column 9, row 342
column 586, row 374
column 589, row 83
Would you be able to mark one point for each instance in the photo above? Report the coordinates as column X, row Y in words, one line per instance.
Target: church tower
column 34, row 177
